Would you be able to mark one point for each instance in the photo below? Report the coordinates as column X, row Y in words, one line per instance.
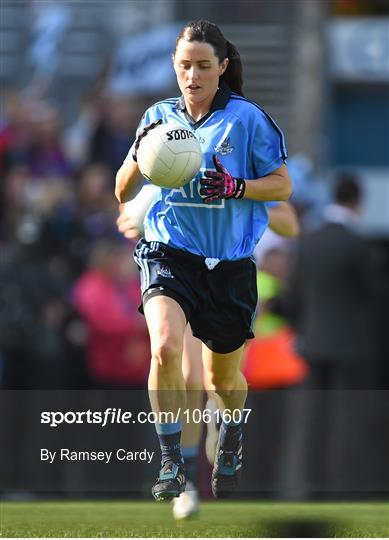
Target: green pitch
column 217, row 519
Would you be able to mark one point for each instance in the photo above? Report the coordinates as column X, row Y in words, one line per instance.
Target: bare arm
column 283, row 220
column 127, row 179
column 276, row 186
column 128, row 176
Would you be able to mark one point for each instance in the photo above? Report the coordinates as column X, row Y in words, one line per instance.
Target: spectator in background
column 89, row 218
column 95, row 205
column 15, row 132
column 33, row 163
column 115, row 131
column 46, row 155
column 86, row 215
column 330, row 295
column 33, row 210
column 77, row 137
column 107, row 296
column 329, row 301
column 93, row 192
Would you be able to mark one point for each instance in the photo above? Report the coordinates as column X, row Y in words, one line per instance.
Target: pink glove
column 220, row 184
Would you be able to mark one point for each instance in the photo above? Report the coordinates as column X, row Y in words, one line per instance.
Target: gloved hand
column 142, row 134
column 220, row 184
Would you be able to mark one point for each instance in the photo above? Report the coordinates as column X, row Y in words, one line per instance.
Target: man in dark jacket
column 330, row 295
column 332, row 418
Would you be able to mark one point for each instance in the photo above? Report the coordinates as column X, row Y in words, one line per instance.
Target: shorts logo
column 225, row 147
column 164, row 271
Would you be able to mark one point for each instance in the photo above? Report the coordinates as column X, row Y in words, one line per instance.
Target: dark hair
column 207, row 32
column 347, row 191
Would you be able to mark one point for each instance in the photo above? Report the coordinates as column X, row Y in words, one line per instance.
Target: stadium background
column 75, row 77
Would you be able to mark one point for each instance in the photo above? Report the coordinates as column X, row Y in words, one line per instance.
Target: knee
column 222, row 382
column 167, row 353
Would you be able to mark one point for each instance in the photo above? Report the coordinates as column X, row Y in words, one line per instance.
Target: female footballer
column 196, row 258
column 284, row 221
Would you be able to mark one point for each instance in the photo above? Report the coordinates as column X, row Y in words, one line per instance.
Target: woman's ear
column 223, row 66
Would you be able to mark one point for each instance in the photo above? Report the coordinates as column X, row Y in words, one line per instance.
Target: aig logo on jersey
column 164, row 271
column 225, row 147
column 189, row 195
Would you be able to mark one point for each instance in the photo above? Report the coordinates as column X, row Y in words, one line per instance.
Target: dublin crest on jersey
column 224, row 148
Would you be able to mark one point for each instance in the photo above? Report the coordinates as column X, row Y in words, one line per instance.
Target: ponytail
column 233, row 75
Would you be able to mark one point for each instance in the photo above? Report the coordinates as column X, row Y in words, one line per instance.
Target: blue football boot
column 170, row 482
column 227, row 470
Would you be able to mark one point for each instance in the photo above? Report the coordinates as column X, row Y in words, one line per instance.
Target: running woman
column 196, row 258
column 284, row 221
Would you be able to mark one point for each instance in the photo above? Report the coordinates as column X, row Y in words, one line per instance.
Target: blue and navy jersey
column 250, row 145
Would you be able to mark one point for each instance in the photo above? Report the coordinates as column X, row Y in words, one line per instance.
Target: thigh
column 192, row 366
column 166, row 322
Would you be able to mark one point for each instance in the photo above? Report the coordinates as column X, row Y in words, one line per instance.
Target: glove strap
column 240, row 188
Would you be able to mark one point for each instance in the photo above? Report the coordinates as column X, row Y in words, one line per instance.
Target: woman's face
column 198, row 71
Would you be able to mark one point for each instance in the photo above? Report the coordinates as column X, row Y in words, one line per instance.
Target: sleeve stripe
column 273, row 123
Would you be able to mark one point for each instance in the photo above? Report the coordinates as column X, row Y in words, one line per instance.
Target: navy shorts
column 219, row 304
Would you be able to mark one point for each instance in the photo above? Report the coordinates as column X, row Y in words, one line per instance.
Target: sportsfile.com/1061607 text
column 118, row 416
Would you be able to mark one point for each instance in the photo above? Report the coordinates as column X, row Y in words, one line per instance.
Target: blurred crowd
column 69, row 287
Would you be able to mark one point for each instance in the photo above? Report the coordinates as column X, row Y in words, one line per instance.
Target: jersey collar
column 219, row 102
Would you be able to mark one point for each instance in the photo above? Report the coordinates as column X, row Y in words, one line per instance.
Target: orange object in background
column 271, row 361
